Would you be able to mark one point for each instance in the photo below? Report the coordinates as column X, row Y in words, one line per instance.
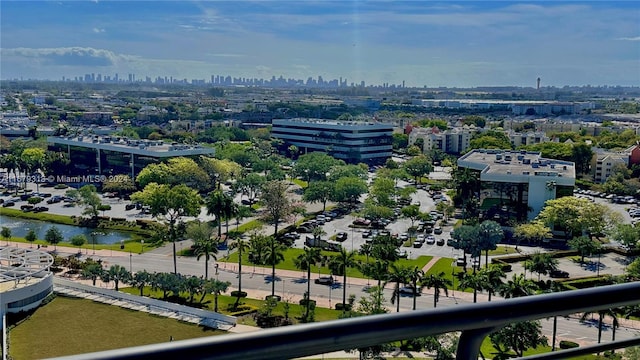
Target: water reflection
column 20, row 228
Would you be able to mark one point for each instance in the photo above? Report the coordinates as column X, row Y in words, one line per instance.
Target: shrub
column 237, row 293
column 565, row 344
column 60, row 186
column 276, row 297
column 312, row 303
column 341, row 306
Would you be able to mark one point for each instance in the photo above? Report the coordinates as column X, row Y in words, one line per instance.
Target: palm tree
column 242, row 213
column 397, row 275
column 6, row 234
column 518, row 286
column 414, row 276
column 273, row 254
column 541, row 263
column 339, row 265
column 140, row 280
column 377, row 270
column 215, row 204
column 242, row 246
column 310, row 256
column 117, row 274
column 207, row 248
column 193, row 285
column 601, row 314
column 216, row 287
column 437, row 282
column 93, row 271
column 492, row 278
column 473, row 280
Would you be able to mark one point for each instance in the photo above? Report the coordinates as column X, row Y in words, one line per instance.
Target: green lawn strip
column 490, row 352
column 133, row 246
column 303, row 184
column 292, row 253
column 502, row 250
column 226, row 302
column 53, row 218
column 67, row 326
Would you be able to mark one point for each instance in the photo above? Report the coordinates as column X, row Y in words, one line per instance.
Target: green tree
column 411, row 212
column 53, row 236
column 491, row 139
column 576, row 216
column 93, row 271
column 170, row 204
column 534, row 232
column 377, row 270
column 492, row 278
column 466, row 237
column 438, row 282
column 585, row 246
column 304, row 261
column 216, row 204
column 87, row 196
column 518, row 286
column 319, row 191
column 242, row 246
column 581, row 155
column 340, row 265
column 273, row 254
column 207, row 248
column 475, row 281
column 625, row 234
column 118, row 274
column 32, row 159
column 489, row 235
column 397, row 275
column 78, row 240
column 612, row 313
column 31, row 237
column 119, row 184
column 139, row 280
column 348, row 190
column 541, row 263
column 418, row 167
column 633, row 270
column 518, row 337
column 179, row 170
column 215, row 287
column 250, row 185
column 6, row 234
column 314, row 166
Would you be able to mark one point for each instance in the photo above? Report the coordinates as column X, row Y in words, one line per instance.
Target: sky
column 424, row 43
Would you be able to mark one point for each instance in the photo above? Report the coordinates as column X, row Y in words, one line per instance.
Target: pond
column 20, row 228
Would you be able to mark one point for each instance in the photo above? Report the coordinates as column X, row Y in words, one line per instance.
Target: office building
column 351, row 141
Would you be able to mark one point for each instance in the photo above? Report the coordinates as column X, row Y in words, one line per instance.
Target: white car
column 421, row 238
column 431, row 240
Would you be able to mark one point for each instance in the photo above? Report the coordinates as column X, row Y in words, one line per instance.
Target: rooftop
column 122, row 144
column 513, row 162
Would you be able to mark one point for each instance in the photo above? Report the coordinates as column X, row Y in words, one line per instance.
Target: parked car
column 461, row 261
column 559, row 274
column 431, row 240
column 417, row 244
column 409, row 290
column 341, row 236
column 437, row 230
column 440, row 242
column 8, row 204
column 324, row 280
column 57, row 199
column 40, row 209
column 26, row 207
column 366, row 233
column 402, row 253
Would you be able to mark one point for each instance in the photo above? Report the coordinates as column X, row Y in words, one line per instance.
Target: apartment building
column 451, row 141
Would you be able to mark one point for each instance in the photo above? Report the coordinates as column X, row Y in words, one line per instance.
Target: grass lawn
column 226, row 302
column 502, row 250
column 67, row 326
column 292, row 253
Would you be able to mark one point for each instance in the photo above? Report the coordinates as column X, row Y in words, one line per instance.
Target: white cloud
column 98, row 30
column 636, row 38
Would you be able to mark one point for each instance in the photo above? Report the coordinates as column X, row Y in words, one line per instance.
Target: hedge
column 565, row 344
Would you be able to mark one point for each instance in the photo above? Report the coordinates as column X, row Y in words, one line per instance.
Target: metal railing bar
column 584, row 350
column 470, row 342
column 317, row 338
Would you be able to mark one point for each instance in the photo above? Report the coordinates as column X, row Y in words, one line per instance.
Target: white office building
column 351, row 141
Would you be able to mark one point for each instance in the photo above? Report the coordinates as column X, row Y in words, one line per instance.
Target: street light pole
column 130, row 262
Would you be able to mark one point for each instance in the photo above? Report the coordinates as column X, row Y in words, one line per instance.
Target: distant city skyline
column 423, row 43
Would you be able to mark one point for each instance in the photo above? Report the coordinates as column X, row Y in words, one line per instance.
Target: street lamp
column 142, row 243
column 130, row 262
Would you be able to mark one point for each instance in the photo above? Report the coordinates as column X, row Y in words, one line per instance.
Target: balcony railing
column 475, row 321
